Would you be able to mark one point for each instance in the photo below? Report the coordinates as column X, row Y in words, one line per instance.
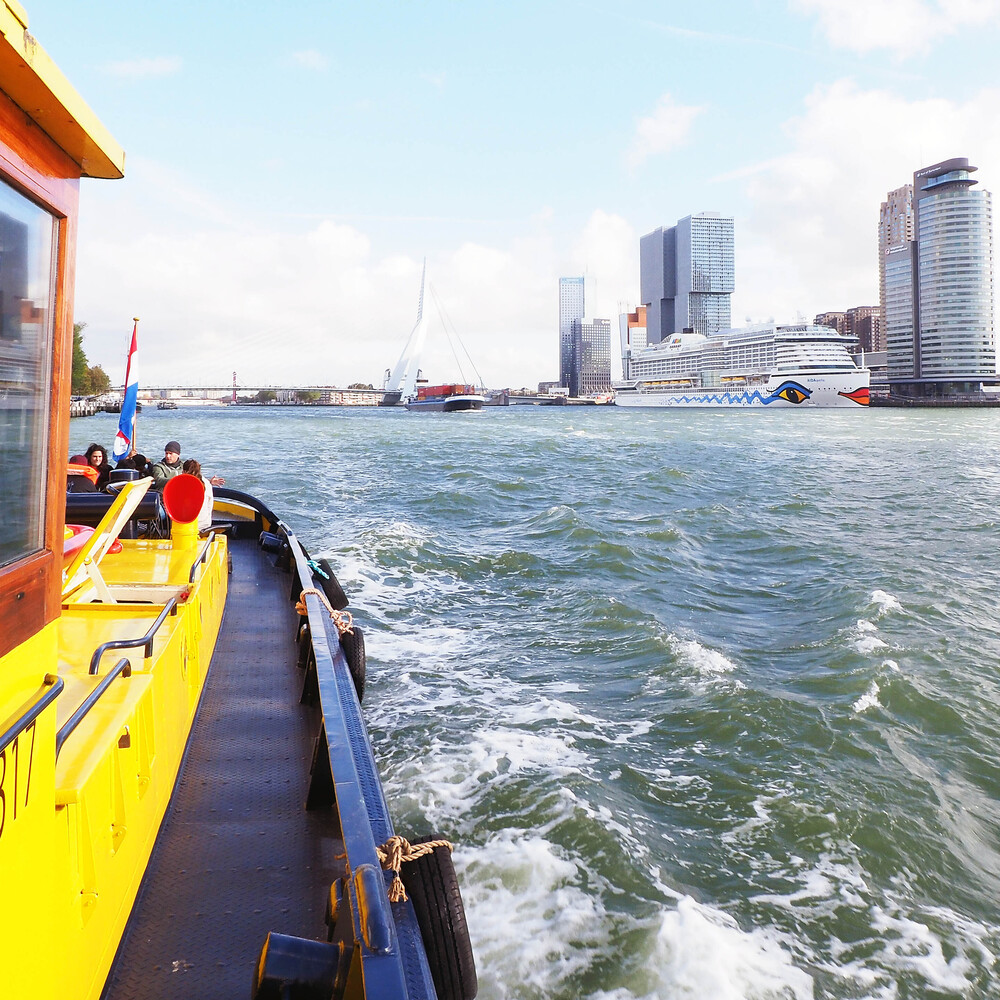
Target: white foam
column 868, row 700
column 631, row 731
column 700, row 951
column 531, row 924
column 886, row 602
column 447, row 783
column 537, row 920
column 870, row 644
column 761, row 817
column 917, row 946
column 710, row 665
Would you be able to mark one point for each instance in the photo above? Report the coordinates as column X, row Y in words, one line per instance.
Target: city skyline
column 282, row 186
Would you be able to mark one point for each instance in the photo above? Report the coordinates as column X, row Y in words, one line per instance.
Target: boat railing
column 146, row 641
column 202, row 557
column 387, row 937
column 52, row 686
column 124, row 668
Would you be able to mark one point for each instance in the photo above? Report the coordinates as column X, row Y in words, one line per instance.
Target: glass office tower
column 571, row 310
column 686, row 276
column 939, row 288
column 955, row 275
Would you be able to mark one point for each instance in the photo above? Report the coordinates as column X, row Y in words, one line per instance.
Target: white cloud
column 666, row 129
column 311, row 59
column 139, row 68
column 905, row 26
column 809, row 242
column 216, row 291
column 607, row 251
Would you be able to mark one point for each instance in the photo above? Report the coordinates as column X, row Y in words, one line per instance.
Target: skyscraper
column 686, row 275
column 895, row 229
column 939, row 288
column 592, row 357
column 571, row 310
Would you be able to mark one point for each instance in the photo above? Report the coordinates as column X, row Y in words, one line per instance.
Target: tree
column 360, row 385
column 81, row 381
column 98, row 379
column 266, row 396
column 307, row 395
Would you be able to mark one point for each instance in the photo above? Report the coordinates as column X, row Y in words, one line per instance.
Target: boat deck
column 238, row 855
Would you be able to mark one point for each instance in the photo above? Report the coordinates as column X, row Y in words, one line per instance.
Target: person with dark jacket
column 169, row 466
column 82, row 476
column 97, row 457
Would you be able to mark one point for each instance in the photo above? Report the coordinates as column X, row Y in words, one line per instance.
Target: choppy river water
column 709, row 702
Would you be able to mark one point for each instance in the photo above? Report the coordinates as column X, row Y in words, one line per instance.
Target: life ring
column 75, row 536
column 433, row 889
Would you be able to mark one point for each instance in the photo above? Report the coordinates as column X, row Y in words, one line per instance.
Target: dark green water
column 708, row 701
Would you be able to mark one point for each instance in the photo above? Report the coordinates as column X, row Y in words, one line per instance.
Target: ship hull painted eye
column 791, row 392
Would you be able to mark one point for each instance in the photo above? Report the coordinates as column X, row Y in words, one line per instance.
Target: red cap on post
column 183, row 496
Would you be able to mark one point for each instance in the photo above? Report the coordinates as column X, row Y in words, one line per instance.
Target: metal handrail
column 147, row 640
column 122, row 667
column 52, row 686
column 202, row 556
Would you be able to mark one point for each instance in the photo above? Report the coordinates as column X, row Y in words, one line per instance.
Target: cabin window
column 27, row 297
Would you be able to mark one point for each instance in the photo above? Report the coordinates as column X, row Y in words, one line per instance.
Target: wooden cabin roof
column 30, row 78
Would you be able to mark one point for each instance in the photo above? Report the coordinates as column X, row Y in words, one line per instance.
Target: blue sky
column 289, row 165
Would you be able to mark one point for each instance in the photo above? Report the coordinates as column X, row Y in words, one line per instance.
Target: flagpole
column 125, row 438
column 135, row 330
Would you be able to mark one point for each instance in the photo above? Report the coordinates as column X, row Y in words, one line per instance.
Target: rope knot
column 342, row 619
column 398, row 850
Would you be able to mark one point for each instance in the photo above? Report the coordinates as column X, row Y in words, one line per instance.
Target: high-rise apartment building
column 686, row 276
column 860, row 322
column 592, row 357
column 895, row 229
column 571, row 310
column 898, row 307
column 834, row 320
column 939, row 288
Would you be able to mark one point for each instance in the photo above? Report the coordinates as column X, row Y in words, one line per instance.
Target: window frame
column 34, row 166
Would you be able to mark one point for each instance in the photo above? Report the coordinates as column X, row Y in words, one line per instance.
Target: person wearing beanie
column 169, row 466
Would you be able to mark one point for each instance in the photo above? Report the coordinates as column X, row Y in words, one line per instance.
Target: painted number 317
column 15, row 776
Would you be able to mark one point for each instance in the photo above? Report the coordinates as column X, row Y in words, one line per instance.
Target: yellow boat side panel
column 27, row 827
column 78, row 852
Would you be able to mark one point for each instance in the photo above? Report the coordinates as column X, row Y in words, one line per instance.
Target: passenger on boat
column 138, row 462
column 169, row 466
column 97, row 457
column 193, row 468
column 81, row 476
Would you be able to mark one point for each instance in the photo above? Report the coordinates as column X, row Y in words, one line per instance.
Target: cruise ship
column 760, row 366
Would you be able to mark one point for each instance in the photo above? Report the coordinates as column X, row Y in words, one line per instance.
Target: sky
column 290, row 165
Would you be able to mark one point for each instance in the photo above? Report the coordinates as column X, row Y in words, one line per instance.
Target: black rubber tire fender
column 432, row 885
column 353, row 645
column 330, row 586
